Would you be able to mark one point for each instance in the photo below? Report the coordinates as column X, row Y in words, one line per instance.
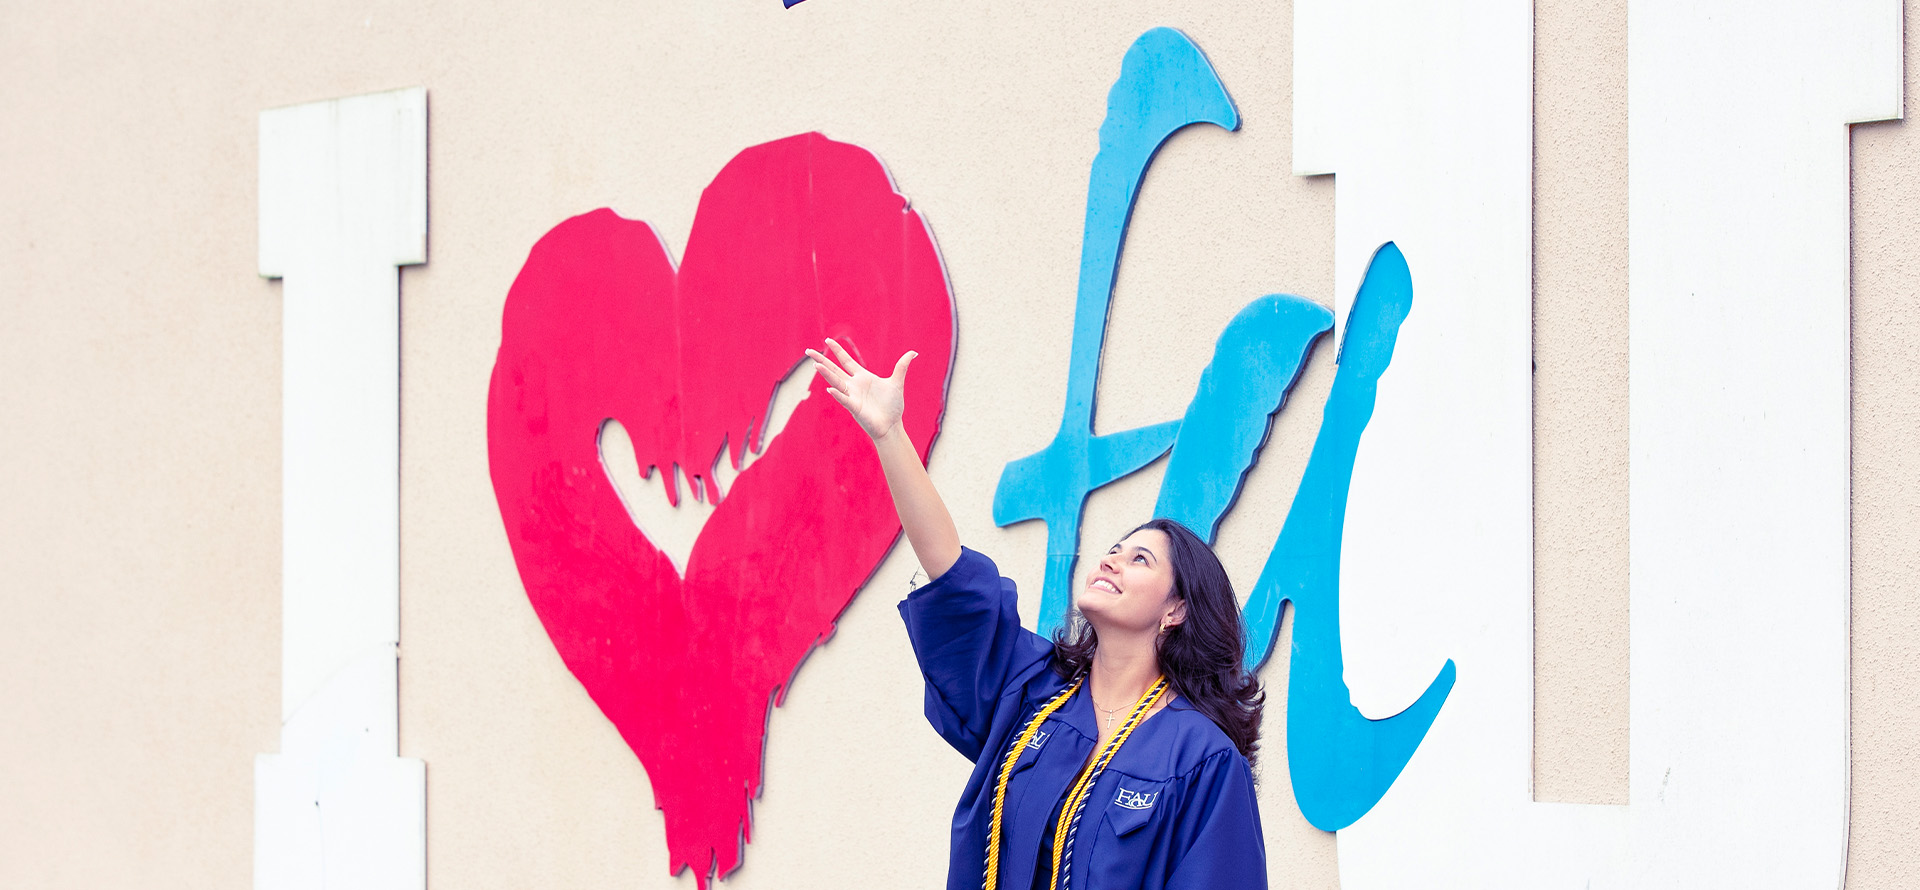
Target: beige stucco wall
column 1580, row 401
column 1883, row 848
column 139, row 382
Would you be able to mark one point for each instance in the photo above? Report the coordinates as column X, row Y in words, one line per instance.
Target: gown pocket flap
column 1133, row 805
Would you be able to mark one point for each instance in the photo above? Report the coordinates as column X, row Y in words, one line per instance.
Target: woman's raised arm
column 878, row 403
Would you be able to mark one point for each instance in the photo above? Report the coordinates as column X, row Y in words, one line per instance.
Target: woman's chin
column 1093, row 607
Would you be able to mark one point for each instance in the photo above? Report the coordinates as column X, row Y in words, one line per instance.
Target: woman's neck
column 1122, row 670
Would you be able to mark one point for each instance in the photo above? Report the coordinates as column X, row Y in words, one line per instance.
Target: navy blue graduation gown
column 1174, row 810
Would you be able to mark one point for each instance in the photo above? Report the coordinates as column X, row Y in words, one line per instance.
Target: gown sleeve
column 1225, row 849
column 975, row 656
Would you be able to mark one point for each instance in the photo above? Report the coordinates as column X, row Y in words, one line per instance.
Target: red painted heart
column 794, row 241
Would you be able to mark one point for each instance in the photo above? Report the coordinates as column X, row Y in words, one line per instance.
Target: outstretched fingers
column 836, row 378
column 845, row 358
column 876, row 403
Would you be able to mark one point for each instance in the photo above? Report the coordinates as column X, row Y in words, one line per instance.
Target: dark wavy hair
column 1201, row 656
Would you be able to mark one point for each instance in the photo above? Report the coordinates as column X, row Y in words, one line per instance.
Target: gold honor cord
column 1077, row 798
column 1006, row 771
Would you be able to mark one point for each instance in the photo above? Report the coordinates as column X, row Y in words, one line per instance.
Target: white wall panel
column 1424, row 114
column 342, row 202
column 1739, row 208
column 1738, row 236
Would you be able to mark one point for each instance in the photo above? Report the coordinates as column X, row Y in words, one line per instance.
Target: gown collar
column 1078, row 713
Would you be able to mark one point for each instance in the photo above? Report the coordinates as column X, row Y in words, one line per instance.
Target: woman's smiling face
column 1130, row 589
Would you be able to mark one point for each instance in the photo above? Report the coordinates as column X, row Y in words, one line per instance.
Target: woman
column 1115, row 756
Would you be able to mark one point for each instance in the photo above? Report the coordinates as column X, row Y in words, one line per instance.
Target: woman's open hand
column 876, row 402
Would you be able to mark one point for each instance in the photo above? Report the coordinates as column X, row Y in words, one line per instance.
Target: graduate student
column 1116, row 755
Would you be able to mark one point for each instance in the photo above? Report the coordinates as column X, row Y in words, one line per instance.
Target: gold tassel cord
column 1006, row 771
column 1077, row 798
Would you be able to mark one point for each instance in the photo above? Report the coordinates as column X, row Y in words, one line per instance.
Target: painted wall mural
column 1407, row 549
column 806, row 238
column 599, row 326
column 794, row 241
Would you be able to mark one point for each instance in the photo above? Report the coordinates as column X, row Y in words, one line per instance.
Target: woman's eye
column 1139, row 558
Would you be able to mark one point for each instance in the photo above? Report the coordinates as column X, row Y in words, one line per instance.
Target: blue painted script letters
column 1341, row 763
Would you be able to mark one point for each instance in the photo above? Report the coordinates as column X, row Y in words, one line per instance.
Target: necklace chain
column 1112, row 713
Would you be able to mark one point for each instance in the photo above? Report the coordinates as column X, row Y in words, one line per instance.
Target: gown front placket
column 1041, row 786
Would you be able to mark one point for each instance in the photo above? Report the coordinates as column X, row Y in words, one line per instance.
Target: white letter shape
column 343, row 201
column 1738, row 210
column 1738, row 236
